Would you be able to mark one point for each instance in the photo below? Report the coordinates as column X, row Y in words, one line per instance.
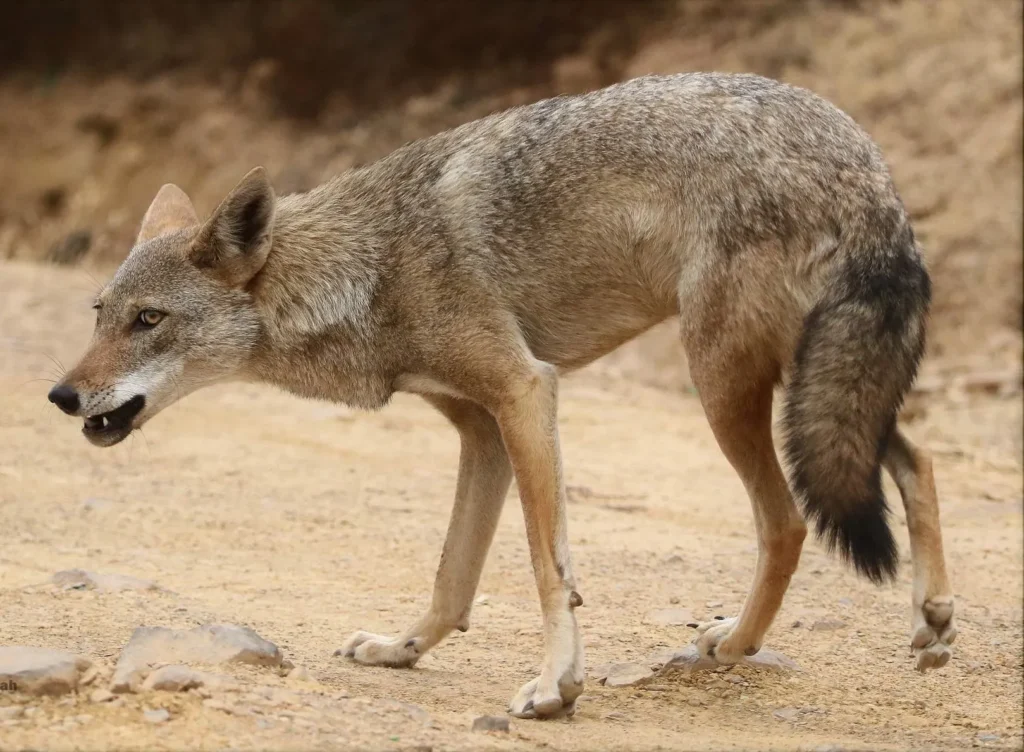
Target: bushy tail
column 856, row 359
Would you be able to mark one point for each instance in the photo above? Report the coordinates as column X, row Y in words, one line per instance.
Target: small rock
column 176, row 679
column 786, row 714
column 225, row 707
column 11, row 712
column 101, row 695
column 827, row 625
column 626, row 675
column 615, row 716
column 660, row 657
column 988, row 737
column 673, row 559
column 209, row 644
column 79, row 579
column 40, row 671
column 845, row 601
column 491, row 723
column 771, row 660
column 157, row 716
column 94, row 505
column 714, row 604
column 482, row 600
column 689, row 660
column 797, row 624
column 299, row 673
column 670, row 617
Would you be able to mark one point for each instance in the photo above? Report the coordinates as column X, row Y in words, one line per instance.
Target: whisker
column 56, row 362
column 32, row 381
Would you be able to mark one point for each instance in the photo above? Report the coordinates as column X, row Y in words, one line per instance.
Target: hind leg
column 933, row 628
column 737, row 397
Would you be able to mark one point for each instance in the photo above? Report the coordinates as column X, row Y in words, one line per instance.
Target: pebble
column 156, row 716
column 689, row 660
column 177, row 679
column 79, row 579
column 786, row 714
column 988, row 737
column 225, row 707
column 101, row 695
column 827, row 625
column 491, row 723
column 626, row 675
column 11, row 712
column 299, row 673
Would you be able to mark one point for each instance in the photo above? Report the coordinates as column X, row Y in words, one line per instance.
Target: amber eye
column 150, row 318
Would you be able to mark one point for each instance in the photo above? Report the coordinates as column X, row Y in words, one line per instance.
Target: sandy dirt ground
column 307, row 521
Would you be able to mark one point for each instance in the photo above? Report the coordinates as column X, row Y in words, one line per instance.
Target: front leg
column 484, row 478
column 527, row 417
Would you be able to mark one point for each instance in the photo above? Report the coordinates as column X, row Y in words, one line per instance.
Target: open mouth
column 109, row 428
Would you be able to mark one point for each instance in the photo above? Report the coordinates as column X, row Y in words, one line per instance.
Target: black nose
column 65, row 397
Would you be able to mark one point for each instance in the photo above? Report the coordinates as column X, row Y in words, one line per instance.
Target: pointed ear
column 235, row 241
column 171, row 210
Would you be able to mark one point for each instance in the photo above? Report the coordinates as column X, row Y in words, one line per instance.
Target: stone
column 660, row 657
column 771, row 661
column 491, row 723
column 827, row 625
column 156, row 716
column 689, row 660
column 177, row 678
column 988, row 737
column 225, row 707
column 79, row 579
column 11, row 712
column 786, row 714
column 670, row 617
column 615, row 715
column 210, row 644
column 299, row 673
column 41, row 671
column 101, row 695
column 626, row 675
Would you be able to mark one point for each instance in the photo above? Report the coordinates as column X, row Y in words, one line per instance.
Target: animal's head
column 176, row 316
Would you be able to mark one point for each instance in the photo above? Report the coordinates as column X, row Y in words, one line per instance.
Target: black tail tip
column 861, row 536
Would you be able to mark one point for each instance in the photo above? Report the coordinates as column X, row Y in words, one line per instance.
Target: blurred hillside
column 103, row 101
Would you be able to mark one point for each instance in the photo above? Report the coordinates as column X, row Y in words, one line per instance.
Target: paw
column 543, row 699
column 717, row 639
column 933, row 631
column 376, row 650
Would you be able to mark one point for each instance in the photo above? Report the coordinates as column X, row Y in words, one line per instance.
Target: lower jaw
column 107, row 437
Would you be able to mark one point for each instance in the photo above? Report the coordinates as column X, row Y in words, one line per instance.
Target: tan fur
column 475, row 266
